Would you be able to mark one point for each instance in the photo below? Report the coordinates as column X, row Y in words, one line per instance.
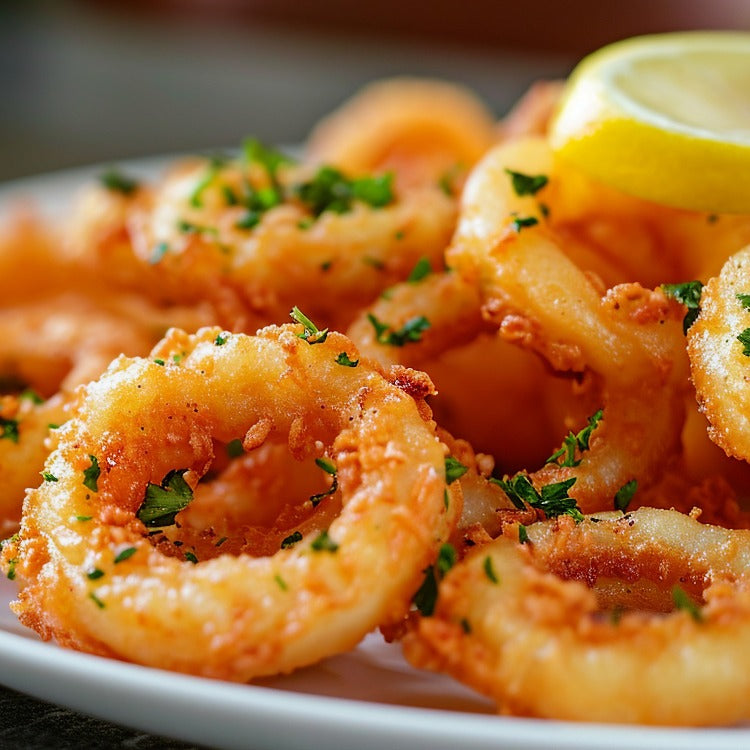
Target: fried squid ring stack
column 630, row 618
column 628, row 341
column 91, row 578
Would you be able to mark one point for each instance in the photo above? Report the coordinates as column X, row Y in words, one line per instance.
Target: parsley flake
column 31, row 395
column 526, row 184
column 94, row 598
column 9, row 429
column 682, row 600
column 454, row 469
column 323, row 543
column 521, row 222
column 234, row 448
column 421, row 270
column 91, row 475
column 578, row 442
column 410, row 332
column 281, row 582
column 221, row 339
column 426, row 596
column 688, row 294
column 291, row 540
column 331, row 190
column 117, row 182
column 94, row 574
column 523, row 534
column 744, row 300
column 553, row 499
column 489, row 570
column 329, row 468
column 125, row 554
column 624, row 495
column 49, row 477
column 344, row 360
column 190, row 557
column 12, row 569
column 312, row 334
column 163, row 502
column 743, row 338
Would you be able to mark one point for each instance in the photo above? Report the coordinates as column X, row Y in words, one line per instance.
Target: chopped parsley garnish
column 83, row 518
column 291, row 540
column 163, row 502
column 221, row 339
column 329, row 468
column 214, row 166
column 117, row 182
column 744, row 300
column 624, row 495
column 454, row 469
column 269, row 158
column 49, row 477
column 281, row 582
column 688, row 294
column 323, row 543
column 31, row 395
column 9, row 429
column 331, row 190
column 94, row 598
column 234, row 448
column 94, row 574
column 221, row 541
column 526, row 184
column 343, row 359
column 249, row 220
column 523, row 534
column 489, row 570
column 158, row 253
column 421, row 270
column 521, row 222
column 553, row 498
column 410, row 332
column 12, row 569
column 426, row 596
column 159, row 362
column 312, row 334
column 578, row 442
column 743, row 338
column 91, row 474
column 125, row 554
column 682, row 600
column 190, row 557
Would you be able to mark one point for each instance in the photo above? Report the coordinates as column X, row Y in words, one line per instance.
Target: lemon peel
column 664, row 117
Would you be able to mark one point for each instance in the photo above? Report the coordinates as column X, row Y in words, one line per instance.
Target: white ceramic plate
column 369, row 698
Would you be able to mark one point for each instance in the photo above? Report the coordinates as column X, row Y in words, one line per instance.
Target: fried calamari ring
column 719, row 357
column 192, row 237
column 421, row 129
column 629, row 341
column 637, row 618
column 90, row 577
column 61, row 327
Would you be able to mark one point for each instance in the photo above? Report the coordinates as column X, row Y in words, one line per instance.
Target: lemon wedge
column 663, row 117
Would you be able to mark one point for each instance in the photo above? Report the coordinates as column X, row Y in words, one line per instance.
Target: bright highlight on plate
column 664, row 117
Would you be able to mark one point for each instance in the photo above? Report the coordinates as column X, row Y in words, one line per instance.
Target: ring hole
column 249, row 503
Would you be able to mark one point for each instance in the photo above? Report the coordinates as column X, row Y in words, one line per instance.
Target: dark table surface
column 30, row 724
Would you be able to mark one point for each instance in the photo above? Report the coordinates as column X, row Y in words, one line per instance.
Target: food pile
column 432, row 377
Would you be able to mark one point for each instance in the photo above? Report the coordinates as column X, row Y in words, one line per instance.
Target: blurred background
column 85, row 81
